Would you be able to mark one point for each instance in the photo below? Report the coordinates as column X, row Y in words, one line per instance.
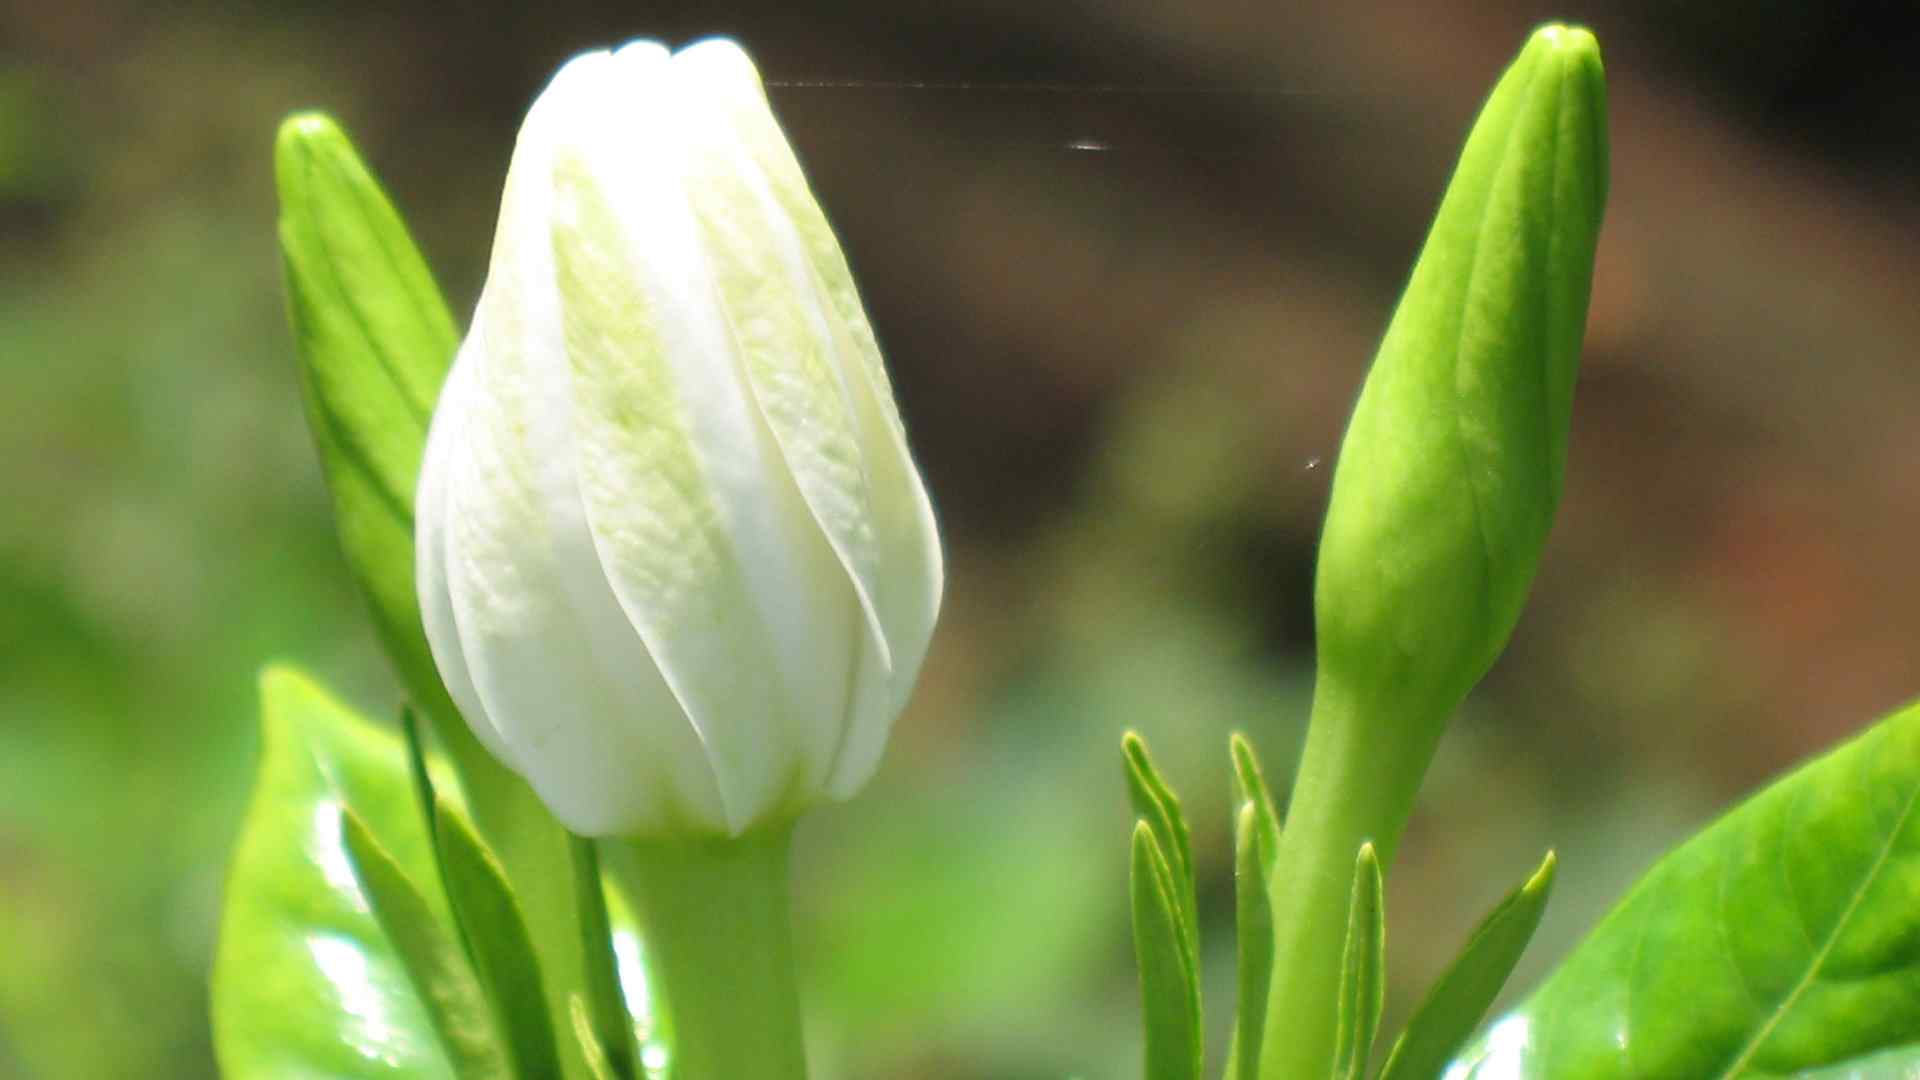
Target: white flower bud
column 675, row 562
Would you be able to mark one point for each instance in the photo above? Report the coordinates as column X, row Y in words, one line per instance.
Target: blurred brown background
column 1129, row 261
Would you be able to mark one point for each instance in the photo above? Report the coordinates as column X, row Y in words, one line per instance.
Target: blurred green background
column 1129, row 260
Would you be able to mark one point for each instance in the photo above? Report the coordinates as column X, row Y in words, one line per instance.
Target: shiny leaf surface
column 305, row 982
column 1783, row 939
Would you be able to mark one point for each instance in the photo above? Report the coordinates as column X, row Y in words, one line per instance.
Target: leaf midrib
column 1745, row 1056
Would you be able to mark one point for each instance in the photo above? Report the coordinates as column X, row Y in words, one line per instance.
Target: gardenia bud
column 1450, row 471
column 676, row 565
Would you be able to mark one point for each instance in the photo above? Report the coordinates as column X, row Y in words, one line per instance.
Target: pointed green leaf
column 1169, row 985
column 1783, row 938
column 1253, row 917
column 606, row 1006
column 375, row 341
column 1155, row 803
column 1250, row 786
column 496, row 936
column 1453, row 1008
column 1363, row 984
column 433, row 958
column 306, row 982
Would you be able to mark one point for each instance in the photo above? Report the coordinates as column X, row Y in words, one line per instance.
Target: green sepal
column 434, row 959
column 1169, row 983
column 1363, row 985
column 495, row 933
column 1453, row 1007
column 606, row 1007
column 1253, row 926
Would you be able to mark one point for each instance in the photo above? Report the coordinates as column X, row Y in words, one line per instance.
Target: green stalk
column 1348, row 792
column 719, row 939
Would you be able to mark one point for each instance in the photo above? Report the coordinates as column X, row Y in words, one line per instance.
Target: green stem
column 1353, row 786
column 719, row 942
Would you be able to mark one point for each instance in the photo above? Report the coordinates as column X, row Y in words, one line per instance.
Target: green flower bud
column 1451, row 469
column 1442, row 499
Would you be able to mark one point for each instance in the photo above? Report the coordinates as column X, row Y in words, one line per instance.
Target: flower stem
column 1353, row 786
column 719, row 942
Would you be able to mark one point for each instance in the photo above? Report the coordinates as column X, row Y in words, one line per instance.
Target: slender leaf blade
column 502, row 952
column 1253, row 918
column 1453, row 1007
column 1169, row 987
column 434, row 959
column 1250, row 786
column 1363, row 987
column 1156, row 804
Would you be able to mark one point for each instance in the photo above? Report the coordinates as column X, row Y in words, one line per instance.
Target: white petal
column 430, row 565
column 699, row 528
column 831, row 405
column 558, row 666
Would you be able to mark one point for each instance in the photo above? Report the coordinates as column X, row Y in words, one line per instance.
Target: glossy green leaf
column 1169, row 985
column 375, row 341
column 1253, row 925
column 1899, row 1063
column 305, row 982
column 1363, row 982
column 1784, row 938
column 496, row 936
column 1464, row 992
column 434, row 959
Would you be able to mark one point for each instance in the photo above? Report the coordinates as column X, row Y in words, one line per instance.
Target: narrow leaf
column 423, row 793
column 503, row 956
column 1783, row 939
column 606, row 1007
column 1453, row 1008
column 1155, row 803
column 1250, row 786
column 434, row 960
column 1253, row 917
column 1169, row 987
column 1363, row 970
